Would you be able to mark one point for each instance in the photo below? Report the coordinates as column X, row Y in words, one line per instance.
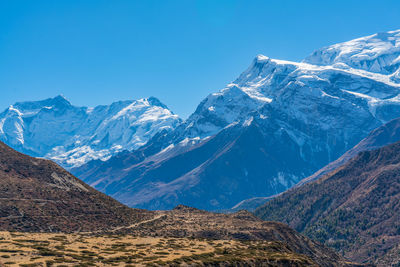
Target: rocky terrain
column 354, row 209
column 184, row 221
column 38, row 195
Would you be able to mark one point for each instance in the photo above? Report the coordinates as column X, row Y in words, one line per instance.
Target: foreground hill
column 175, row 238
column 38, row 195
column 355, row 208
column 189, row 222
column 44, row 249
column 276, row 124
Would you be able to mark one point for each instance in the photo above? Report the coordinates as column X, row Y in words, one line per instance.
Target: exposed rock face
column 388, row 133
column 354, row 209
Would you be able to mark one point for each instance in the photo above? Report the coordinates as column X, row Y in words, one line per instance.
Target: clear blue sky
column 96, row 52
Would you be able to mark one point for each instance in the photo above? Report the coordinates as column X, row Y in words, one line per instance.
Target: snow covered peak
column 331, row 75
column 261, row 59
column 378, row 53
column 70, row 135
column 49, row 103
column 61, row 98
column 156, row 102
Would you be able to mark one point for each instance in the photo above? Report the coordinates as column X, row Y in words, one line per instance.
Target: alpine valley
column 313, row 144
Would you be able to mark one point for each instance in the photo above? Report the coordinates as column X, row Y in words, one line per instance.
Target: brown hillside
column 355, row 209
column 38, row 195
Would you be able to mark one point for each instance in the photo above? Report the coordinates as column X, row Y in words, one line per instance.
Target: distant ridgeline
column 72, row 136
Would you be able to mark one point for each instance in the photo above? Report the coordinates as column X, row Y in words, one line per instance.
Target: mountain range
column 276, row 124
column 71, row 136
column 386, row 134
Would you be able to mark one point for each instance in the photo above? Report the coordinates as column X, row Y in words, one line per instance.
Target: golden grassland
column 55, row 249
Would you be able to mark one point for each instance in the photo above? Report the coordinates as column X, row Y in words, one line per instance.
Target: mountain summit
column 277, row 123
column 378, row 53
column 72, row 136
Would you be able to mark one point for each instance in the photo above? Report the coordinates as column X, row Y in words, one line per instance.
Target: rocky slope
column 38, row 195
column 278, row 123
column 388, row 133
column 391, row 258
column 354, row 209
column 72, row 136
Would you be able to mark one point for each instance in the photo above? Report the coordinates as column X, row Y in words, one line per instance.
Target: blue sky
column 96, row 52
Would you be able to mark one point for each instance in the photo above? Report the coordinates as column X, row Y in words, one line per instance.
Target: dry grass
column 46, row 249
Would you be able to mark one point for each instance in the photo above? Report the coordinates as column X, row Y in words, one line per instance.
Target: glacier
column 377, row 53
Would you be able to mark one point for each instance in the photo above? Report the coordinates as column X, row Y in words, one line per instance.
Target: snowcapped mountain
column 72, row 136
column 279, row 122
column 378, row 53
column 266, row 79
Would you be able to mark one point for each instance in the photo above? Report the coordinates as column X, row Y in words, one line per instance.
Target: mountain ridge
column 53, row 128
column 386, row 134
column 378, row 53
column 320, row 111
column 353, row 209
